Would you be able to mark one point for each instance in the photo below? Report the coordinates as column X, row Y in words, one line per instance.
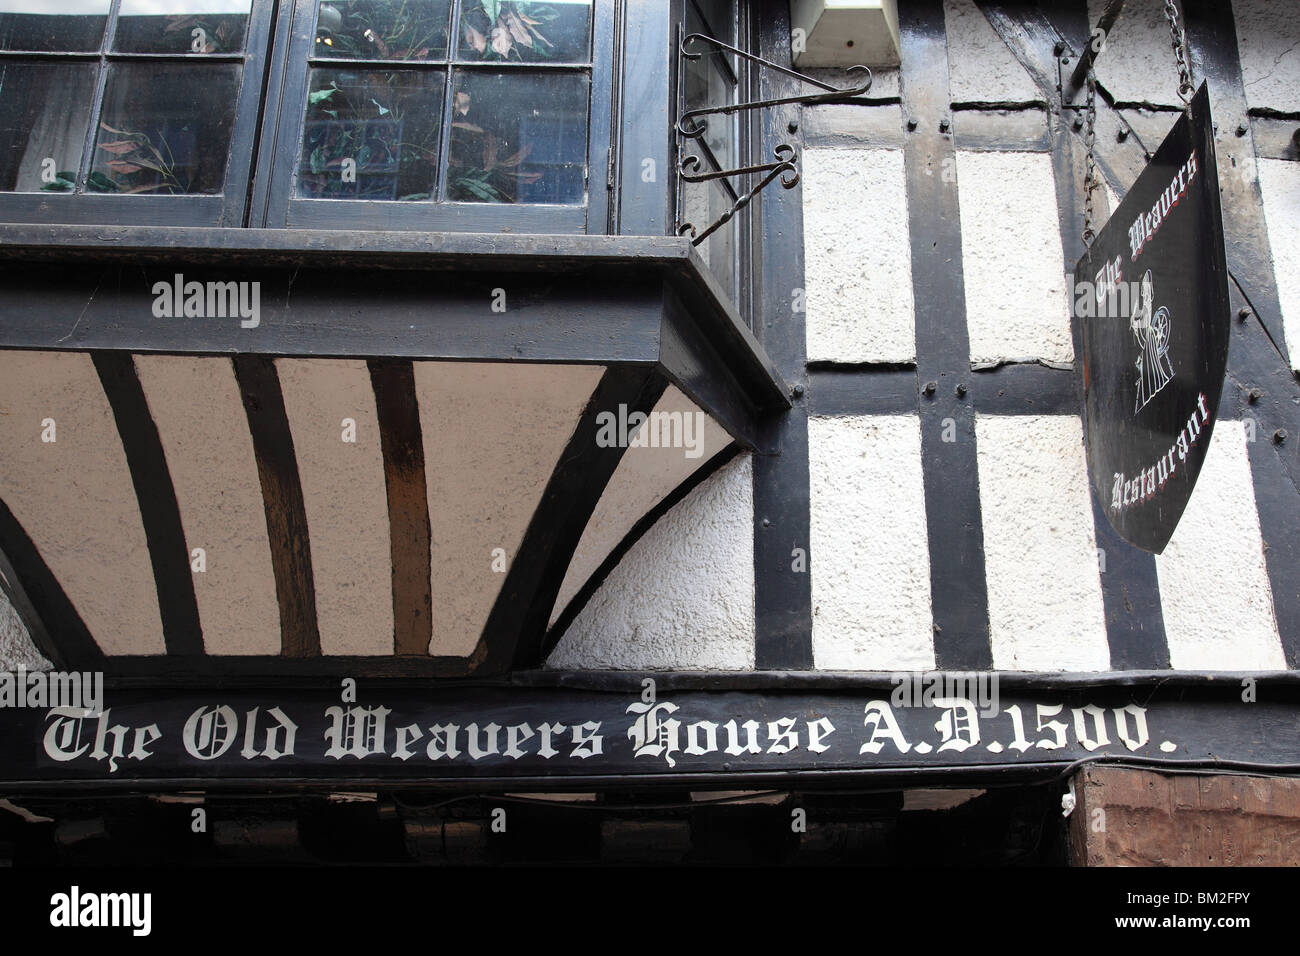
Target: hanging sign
column 1151, row 296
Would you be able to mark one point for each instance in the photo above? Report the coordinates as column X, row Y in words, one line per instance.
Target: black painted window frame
column 282, row 130
column 738, row 29
column 633, row 108
column 224, row 209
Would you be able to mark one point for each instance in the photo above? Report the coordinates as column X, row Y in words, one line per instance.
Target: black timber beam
column 1261, row 386
column 954, row 522
column 1130, row 587
column 578, row 299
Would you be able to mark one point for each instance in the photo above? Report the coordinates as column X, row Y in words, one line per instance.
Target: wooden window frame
column 226, row 208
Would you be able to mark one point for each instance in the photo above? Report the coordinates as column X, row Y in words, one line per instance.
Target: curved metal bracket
column 785, row 163
column 686, row 126
column 691, row 125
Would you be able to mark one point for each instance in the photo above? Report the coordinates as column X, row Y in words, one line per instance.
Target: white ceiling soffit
column 841, row 33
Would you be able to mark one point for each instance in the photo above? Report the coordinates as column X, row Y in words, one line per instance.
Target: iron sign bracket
column 693, row 123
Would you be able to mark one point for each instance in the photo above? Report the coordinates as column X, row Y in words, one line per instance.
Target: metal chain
column 1179, row 43
column 1090, row 178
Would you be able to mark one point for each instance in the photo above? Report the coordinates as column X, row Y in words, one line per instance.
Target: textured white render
column 980, row 67
column 196, row 404
column 857, row 258
column 1137, row 64
column 1040, row 551
column 1268, row 37
column 682, row 598
column 870, row 560
column 74, row 496
column 345, row 497
column 16, row 648
column 643, row 478
column 1280, row 181
column 1016, row 303
column 1214, row 589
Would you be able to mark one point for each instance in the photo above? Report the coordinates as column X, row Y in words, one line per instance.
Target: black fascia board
column 327, row 293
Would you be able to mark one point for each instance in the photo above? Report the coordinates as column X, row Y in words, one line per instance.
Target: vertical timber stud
column 1257, row 357
column 782, row 595
column 958, row 588
column 159, row 511
column 1130, row 589
column 286, row 511
column 406, row 484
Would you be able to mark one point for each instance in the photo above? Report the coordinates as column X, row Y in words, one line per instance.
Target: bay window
column 474, row 115
column 542, row 117
column 127, row 110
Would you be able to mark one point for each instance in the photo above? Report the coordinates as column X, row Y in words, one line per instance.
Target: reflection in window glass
column 182, row 26
column 165, row 128
column 702, row 205
column 557, row 31
column 44, row 112
column 382, row 29
column 371, row 134
column 49, row 25
column 705, row 85
column 518, row 137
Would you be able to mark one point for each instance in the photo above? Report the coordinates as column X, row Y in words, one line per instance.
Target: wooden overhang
column 626, row 300
column 620, row 322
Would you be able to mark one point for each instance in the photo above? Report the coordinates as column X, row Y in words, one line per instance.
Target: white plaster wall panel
column 857, row 257
column 16, row 647
column 869, row 560
column 682, row 598
column 1040, row 550
column 197, row 407
column 1016, row 303
column 980, row 66
column 74, row 496
column 1268, row 37
column 643, row 478
column 1137, row 64
column 1214, row 588
column 346, row 501
column 1280, row 182
column 493, row 433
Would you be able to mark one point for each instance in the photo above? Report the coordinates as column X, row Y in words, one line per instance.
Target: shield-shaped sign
column 1151, row 295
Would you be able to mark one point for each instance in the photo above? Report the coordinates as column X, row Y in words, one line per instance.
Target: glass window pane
column 371, row 134
column 518, row 137
column 706, row 86
column 44, row 113
column 383, row 29
column 556, row 31
column 67, row 25
column 182, row 26
column 702, row 205
column 165, row 128
column 717, row 19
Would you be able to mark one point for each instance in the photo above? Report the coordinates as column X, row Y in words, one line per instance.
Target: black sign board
column 470, row 736
column 1151, row 295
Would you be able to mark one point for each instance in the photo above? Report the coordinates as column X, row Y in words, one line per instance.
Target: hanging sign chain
column 1090, row 178
column 1179, row 42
